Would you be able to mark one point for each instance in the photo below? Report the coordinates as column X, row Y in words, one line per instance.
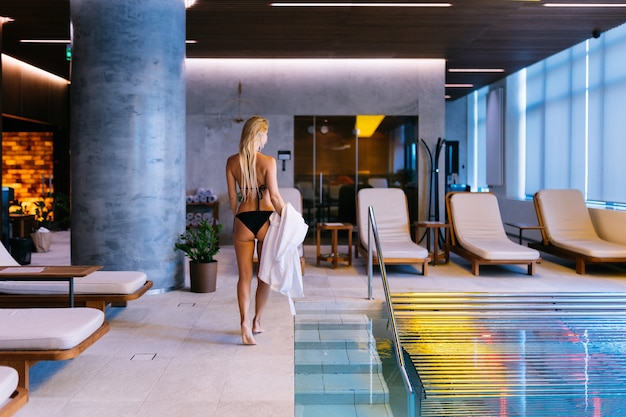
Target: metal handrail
column 372, row 231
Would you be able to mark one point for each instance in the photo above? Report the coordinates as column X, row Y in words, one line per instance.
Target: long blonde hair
column 248, row 147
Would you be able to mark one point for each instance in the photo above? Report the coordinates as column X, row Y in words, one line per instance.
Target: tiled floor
column 179, row 353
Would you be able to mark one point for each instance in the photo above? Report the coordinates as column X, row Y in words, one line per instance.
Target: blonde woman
column 253, row 196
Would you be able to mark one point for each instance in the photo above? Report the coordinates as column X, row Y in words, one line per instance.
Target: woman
column 255, row 176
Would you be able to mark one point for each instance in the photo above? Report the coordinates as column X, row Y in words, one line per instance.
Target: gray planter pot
column 203, row 276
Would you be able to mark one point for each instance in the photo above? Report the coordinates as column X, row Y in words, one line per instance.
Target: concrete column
column 128, row 136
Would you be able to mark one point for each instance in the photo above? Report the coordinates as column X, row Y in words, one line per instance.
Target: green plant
column 44, row 213
column 200, row 243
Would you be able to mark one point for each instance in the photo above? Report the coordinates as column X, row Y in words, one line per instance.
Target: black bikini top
column 259, row 191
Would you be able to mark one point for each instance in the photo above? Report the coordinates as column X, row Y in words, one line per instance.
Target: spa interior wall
column 280, row 89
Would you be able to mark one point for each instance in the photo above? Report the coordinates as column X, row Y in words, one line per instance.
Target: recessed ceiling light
column 45, row 40
column 361, row 4
column 476, row 70
column 459, row 85
column 66, row 41
column 586, row 5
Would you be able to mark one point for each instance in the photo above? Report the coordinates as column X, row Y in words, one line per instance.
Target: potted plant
column 200, row 244
column 42, row 238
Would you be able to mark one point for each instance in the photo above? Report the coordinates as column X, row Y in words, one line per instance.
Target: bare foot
column 256, row 326
column 246, row 336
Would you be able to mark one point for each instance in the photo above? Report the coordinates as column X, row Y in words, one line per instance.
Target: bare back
column 266, row 174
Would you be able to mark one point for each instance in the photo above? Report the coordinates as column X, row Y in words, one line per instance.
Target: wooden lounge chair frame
column 581, row 259
column 15, row 402
column 476, row 260
column 23, row 360
column 98, row 301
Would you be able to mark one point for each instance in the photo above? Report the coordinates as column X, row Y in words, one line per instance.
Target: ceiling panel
column 505, row 34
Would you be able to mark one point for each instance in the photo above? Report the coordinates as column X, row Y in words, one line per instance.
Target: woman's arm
column 271, row 182
column 232, row 185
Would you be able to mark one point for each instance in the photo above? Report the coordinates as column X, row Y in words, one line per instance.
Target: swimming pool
column 345, row 365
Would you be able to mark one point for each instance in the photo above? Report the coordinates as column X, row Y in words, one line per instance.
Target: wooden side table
column 334, row 257
column 23, row 224
column 433, row 228
column 524, row 226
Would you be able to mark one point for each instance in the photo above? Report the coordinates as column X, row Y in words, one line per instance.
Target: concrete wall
column 281, row 89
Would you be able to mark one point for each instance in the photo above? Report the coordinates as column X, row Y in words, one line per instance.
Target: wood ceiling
column 507, row 34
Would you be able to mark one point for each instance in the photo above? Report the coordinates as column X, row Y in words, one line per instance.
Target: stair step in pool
column 337, row 365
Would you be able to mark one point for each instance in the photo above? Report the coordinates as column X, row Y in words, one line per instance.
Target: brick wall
column 26, row 158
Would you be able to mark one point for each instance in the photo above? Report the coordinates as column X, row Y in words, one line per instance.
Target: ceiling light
column 189, row 3
column 459, row 85
column 586, row 5
column 361, row 4
column 5, row 20
column 476, row 70
column 367, row 125
column 45, row 41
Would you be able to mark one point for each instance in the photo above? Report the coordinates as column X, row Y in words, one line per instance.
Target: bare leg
column 262, row 289
column 244, row 250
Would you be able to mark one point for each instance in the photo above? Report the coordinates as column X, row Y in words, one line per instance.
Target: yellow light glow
column 11, row 62
column 367, row 125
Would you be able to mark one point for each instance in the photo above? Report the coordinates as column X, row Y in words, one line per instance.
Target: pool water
column 345, row 366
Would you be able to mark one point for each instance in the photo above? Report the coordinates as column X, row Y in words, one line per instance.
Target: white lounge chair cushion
column 479, row 230
column 392, row 220
column 99, row 282
column 47, row 328
column 8, row 383
column 568, row 225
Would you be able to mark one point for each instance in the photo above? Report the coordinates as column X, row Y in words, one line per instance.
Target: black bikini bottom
column 254, row 220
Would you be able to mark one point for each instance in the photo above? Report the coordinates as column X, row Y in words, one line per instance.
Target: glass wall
column 334, row 158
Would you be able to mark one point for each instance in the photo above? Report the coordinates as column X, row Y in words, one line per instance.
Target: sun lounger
column 568, row 231
column 96, row 290
column 478, row 235
column 33, row 334
column 392, row 218
column 12, row 397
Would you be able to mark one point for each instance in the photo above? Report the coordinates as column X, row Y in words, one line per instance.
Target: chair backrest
column 306, row 189
column 5, row 257
column 293, row 196
column 474, row 216
column 378, row 182
column 346, row 209
column 564, row 215
column 390, row 210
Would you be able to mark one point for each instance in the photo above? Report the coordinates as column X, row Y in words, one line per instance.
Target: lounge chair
column 12, row 397
column 34, row 334
column 568, row 231
column 96, row 290
column 392, row 218
column 477, row 233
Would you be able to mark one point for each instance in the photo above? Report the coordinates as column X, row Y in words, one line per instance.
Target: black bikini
column 255, row 220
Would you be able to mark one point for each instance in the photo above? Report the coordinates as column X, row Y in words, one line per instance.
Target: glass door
column 335, row 156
